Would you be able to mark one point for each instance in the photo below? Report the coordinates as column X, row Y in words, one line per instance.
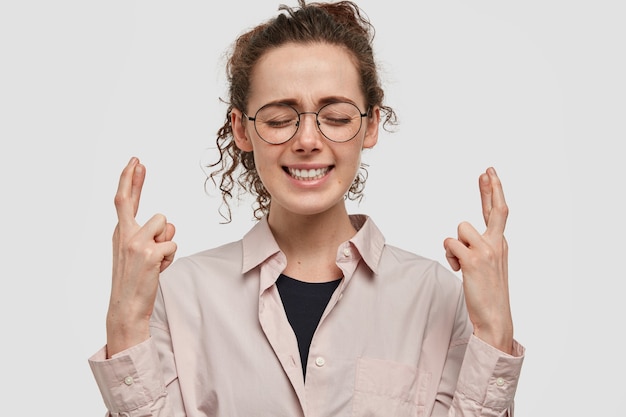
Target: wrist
column 122, row 335
column 501, row 339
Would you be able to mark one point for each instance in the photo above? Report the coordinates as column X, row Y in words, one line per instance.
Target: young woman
column 310, row 313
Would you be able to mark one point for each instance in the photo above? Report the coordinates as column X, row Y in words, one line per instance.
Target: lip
column 309, row 174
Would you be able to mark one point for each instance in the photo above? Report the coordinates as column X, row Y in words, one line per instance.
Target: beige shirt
column 395, row 340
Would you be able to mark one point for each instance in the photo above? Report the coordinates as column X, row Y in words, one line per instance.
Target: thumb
column 452, row 259
column 167, row 234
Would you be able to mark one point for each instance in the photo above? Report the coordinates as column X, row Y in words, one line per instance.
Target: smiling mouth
column 307, row 174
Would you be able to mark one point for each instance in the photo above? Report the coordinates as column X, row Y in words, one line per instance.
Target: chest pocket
column 385, row 388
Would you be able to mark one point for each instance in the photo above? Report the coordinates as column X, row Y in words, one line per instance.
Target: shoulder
column 393, row 264
column 403, row 264
column 226, row 253
column 224, row 260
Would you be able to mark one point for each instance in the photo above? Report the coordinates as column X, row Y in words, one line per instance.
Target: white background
column 536, row 89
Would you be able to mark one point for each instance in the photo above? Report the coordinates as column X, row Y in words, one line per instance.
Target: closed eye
column 279, row 123
column 336, row 121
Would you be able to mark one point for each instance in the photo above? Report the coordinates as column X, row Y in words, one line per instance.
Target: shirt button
column 500, row 381
column 129, row 380
column 319, row 361
column 346, row 252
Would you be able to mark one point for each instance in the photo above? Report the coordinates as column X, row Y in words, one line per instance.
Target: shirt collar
column 259, row 243
column 368, row 240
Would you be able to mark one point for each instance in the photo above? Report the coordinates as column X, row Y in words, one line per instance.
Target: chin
column 310, row 206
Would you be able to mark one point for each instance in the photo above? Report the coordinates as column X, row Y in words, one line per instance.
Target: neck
column 310, row 242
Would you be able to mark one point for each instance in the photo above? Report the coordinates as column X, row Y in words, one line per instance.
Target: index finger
column 495, row 209
column 129, row 191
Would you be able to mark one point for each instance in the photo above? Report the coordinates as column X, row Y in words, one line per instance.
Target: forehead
column 305, row 74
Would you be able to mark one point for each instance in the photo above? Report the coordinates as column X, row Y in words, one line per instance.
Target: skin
column 308, row 218
column 140, row 254
column 483, row 260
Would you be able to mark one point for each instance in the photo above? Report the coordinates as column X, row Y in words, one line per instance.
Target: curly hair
column 341, row 23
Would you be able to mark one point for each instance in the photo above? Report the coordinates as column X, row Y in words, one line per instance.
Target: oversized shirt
column 395, row 340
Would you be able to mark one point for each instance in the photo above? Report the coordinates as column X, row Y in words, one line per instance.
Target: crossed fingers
column 495, row 212
column 495, row 209
column 129, row 192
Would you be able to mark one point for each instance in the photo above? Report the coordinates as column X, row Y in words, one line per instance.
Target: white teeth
column 308, row 174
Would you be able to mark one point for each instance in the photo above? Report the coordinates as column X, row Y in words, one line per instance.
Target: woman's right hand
column 140, row 254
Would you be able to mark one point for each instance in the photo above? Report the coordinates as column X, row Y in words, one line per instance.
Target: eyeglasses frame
column 317, row 122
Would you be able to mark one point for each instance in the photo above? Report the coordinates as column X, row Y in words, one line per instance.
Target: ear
column 371, row 128
column 239, row 130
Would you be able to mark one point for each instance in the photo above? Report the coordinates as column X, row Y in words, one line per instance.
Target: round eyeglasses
column 276, row 123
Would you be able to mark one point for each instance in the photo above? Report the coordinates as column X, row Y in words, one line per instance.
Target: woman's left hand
column 483, row 261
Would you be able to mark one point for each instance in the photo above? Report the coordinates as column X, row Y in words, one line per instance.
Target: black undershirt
column 304, row 304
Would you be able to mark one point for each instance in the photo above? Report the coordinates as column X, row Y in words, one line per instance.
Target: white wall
column 534, row 88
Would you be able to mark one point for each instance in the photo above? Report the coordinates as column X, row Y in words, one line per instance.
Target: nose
column 308, row 137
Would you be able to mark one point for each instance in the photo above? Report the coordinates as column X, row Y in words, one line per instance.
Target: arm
column 128, row 369
column 481, row 379
column 140, row 254
column 483, row 260
column 491, row 362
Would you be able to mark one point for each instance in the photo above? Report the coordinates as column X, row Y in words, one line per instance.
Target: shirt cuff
column 489, row 376
column 129, row 380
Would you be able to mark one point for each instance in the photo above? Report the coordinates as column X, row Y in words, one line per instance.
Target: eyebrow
column 323, row 101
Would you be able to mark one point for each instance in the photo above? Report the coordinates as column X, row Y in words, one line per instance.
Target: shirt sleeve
column 131, row 382
column 487, row 380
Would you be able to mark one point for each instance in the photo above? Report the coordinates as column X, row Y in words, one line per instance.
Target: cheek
column 350, row 163
column 264, row 162
column 353, row 158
